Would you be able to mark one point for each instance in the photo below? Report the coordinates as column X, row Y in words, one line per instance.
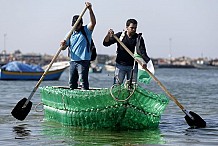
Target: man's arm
column 107, row 38
column 92, row 22
column 142, row 51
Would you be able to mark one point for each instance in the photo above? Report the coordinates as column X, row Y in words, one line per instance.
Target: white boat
column 57, row 65
column 204, row 65
column 109, row 68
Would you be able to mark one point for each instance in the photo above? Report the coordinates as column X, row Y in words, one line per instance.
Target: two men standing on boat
column 79, row 52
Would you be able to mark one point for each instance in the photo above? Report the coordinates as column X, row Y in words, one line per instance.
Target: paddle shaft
column 54, row 58
column 158, row 82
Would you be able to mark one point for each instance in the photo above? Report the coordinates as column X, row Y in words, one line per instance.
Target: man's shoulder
column 87, row 29
column 137, row 34
column 118, row 34
column 84, row 28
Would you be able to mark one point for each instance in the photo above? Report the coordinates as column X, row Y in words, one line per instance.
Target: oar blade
column 198, row 122
column 20, row 112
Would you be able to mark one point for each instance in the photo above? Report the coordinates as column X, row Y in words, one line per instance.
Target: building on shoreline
column 30, row 58
column 38, row 59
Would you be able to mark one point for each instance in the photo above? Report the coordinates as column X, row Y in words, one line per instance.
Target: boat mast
column 4, row 51
column 5, row 41
column 170, row 50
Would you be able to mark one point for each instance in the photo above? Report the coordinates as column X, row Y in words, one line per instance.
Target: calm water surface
column 195, row 89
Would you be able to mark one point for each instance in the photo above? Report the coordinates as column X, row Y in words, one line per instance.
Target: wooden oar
column 193, row 119
column 23, row 107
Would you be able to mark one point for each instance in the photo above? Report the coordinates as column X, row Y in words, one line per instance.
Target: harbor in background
column 179, row 62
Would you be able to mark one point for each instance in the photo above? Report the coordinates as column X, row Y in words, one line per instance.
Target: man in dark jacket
column 124, row 62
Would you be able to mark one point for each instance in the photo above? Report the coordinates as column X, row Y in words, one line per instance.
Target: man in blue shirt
column 79, row 51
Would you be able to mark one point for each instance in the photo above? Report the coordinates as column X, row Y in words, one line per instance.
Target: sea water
column 195, row 89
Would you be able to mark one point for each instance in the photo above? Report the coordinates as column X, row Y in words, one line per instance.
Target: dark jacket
column 123, row 57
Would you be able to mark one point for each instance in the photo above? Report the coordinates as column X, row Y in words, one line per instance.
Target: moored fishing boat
column 20, row 71
column 116, row 107
column 200, row 64
column 109, row 66
column 95, row 69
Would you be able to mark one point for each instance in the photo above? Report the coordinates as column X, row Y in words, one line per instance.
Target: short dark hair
column 131, row 21
column 75, row 17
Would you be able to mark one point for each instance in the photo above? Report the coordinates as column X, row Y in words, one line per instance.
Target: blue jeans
column 121, row 71
column 83, row 71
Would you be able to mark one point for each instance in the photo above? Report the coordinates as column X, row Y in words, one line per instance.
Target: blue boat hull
column 51, row 75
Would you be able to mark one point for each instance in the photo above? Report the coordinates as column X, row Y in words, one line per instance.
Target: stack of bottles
column 96, row 108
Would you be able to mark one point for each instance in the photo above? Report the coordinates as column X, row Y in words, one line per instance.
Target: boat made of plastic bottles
column 118, row 107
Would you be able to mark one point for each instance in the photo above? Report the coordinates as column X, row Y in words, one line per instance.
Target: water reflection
column 73, row 135
column 21, row 131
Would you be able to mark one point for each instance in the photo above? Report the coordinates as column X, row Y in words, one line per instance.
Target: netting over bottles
column 97, row 108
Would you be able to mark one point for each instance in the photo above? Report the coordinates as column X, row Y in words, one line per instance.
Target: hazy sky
column 39, row 25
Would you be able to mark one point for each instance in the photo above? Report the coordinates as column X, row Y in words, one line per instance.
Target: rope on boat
column 63, row 102
column 37, row 107
column 129, row 87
